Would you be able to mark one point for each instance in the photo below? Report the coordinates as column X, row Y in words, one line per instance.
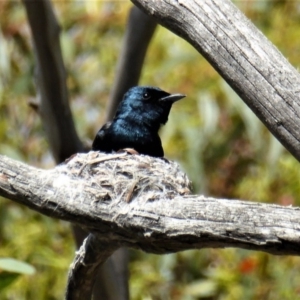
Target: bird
column 136, row 123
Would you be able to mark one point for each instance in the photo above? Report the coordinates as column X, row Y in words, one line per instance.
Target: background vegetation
column 220, row 143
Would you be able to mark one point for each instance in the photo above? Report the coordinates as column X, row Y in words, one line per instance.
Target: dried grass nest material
column 127, row 176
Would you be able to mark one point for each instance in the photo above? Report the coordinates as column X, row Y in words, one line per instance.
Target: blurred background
column 226, row 151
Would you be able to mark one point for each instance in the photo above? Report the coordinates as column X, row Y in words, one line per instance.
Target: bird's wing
column 99, row 141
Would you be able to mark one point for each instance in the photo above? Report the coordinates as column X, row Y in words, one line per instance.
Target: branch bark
column 143, row 202
column 243, row 56
column 83, row 272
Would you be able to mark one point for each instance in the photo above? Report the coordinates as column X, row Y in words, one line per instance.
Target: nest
column 126, row 176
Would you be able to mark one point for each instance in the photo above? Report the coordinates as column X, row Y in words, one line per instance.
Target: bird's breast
column 132, row 131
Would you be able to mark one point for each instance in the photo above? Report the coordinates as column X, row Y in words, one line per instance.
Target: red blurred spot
column 247, row 265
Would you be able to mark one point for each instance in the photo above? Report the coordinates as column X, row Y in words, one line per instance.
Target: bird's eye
column 146, row 96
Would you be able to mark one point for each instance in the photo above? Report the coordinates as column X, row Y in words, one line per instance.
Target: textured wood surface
column 144, row 203
column 242, row 55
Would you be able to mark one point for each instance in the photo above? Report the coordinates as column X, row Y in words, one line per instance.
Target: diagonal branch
column 144, row 203
column 243, row 56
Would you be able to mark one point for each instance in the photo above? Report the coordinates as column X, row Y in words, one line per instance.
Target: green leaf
column 16, row 266
column 202, row 288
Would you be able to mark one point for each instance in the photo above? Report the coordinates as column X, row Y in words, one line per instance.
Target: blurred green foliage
column 10, row 270
column 221, row 144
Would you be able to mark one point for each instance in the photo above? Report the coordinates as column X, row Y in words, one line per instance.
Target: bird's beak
column 172, row 98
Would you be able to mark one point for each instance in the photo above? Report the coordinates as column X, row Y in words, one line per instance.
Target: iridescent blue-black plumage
column 137, row 121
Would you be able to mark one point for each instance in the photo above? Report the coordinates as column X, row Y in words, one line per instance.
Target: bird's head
column 147, row 105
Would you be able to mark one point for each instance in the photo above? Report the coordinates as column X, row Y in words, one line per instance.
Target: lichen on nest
column 129, row 176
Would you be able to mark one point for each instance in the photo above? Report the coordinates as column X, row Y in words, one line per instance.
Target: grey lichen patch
column 128, row 175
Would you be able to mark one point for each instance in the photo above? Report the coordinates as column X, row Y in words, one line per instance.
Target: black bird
column 137, row 121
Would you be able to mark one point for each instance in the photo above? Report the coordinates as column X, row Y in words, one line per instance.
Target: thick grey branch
column 243, row 56
column 143, row 202
column 51, row 81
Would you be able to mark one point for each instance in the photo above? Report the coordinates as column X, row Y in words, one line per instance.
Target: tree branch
column 51, row 81
column 82, row 275
column 243, row 56
column 143, row 202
